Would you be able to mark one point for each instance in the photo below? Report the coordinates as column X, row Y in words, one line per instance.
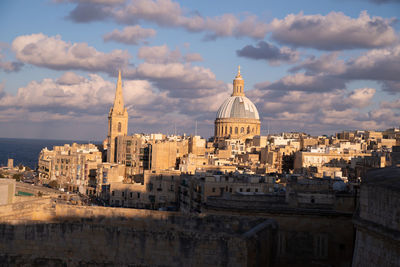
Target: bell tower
column 117, row 121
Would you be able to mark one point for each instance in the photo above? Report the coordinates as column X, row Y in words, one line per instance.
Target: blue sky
column 313, row 66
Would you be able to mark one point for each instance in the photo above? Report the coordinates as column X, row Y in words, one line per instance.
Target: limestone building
column 237, row 118
column 117, row 122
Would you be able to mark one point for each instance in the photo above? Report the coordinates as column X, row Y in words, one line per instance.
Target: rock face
column 63, row 235
column 378, row 220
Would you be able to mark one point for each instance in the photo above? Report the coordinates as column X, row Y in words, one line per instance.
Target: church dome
column 238, row 107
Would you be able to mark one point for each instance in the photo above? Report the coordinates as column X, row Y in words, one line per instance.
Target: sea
column 26, row 151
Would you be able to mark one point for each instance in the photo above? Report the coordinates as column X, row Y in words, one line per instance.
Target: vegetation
column 17, row 177
column 40, row 194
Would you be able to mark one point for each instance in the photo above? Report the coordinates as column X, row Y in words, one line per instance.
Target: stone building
column 7, row 191
column 70, row 165
column 10, row 164
column 195, row 189
column 157, row 189
column 237, row 118
column 117, row 122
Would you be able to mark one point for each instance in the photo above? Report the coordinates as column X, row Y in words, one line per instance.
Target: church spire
column 119, row 99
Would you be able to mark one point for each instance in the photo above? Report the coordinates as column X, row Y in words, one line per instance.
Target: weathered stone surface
column 378, row 220
column 98, row 236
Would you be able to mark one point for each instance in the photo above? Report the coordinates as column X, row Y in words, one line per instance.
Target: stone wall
column 68, row 235
column 378, row 220
column 306, row 237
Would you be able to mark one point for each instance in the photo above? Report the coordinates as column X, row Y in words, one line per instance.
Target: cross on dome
column 238, row 74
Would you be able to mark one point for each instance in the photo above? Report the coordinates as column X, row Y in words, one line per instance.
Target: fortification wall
column 92, row 236
column 373, row 249
column 378, row 203
column 378, row 220
column 318, row 237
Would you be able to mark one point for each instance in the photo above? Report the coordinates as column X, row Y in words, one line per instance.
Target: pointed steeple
column 118, row 107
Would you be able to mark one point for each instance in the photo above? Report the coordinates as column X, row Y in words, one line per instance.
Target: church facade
column 117, row 122
column 237, row 118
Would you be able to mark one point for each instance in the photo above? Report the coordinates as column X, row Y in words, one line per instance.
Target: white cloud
column 326, row 63
column 54, row 53
column 376, row 64
column 303, row 82
column 167, row 13
column 380, row 65
column 70, row 78
column 321, row 112
column 130, row 35
column 159, row 54
column 335, row 31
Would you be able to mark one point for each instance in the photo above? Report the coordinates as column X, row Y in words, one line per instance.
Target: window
column 112, row 193
column 242, row 130
column 123, row 194
column 236, row 130
column 256, row 190
column 230, row 130
column 248, row 129
column 281, row 244
column 213, row 189
column 131, row 194
column 119, row 127
column 138, row 195
column 321, row 245
column 248, row 190
column 230, row 190
column 241, row 189
column 252, row 130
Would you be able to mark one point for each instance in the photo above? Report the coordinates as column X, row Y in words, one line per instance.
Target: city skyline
column 316, row 67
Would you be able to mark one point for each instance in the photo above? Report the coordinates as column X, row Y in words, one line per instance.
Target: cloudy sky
column 317, row 66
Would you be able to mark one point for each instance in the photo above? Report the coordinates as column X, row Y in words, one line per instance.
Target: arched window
column 252, row 130
column 226, row 129
column 230, row 130
column 119, row 127
column 236, row 130
column 248, row 129
column 242, row 130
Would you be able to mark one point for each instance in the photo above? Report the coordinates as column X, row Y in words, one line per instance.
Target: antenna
column 195, row 130
column 175, row 128
column 267, row 127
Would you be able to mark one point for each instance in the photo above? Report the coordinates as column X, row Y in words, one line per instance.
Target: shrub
column 17, row 177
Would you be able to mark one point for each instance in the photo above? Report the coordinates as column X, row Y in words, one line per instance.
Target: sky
column 314, row 66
